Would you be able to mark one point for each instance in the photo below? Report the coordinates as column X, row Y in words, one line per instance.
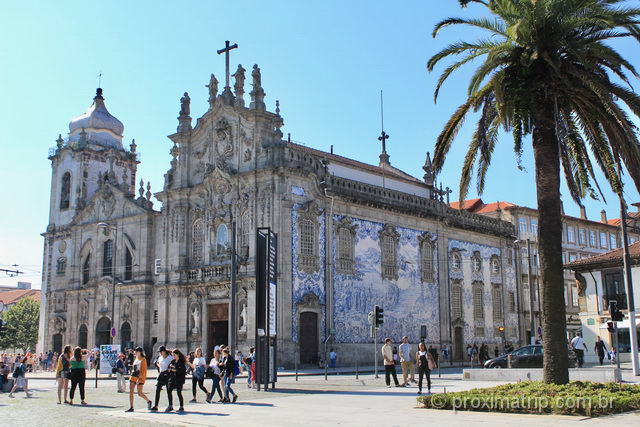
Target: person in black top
column 229, row 373
column 178, row 371
column 600, row 349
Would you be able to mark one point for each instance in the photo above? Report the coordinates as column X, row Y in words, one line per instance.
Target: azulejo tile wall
column 407, row 302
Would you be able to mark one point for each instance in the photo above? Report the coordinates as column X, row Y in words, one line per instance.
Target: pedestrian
column 121, row 370
column 333, row 359
column 215, row 373
column 177, row 374
column 613, row 355
column 469, row 353
column 62, row 373
column 19, row 374
column 252, row 369
column 445, row 352
column 405, row 362
column 138, row 378
column 600, row 350
column 434, row 354
column 579, row 347
column 239, row 361
column 162, row 364
column 389, row 363
column 78, row 373
column 426, row 363
column 199, row 368
column 228, row 375
column 474, row 352
column 496, row 352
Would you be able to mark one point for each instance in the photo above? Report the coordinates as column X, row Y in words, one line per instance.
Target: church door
column 218, row 326
column 57, row 343
column 82, row 336
column 458, row 342
column 125, row 335
column 308, row 337
column 103, row 329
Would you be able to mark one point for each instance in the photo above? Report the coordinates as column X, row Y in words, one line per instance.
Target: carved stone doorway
column 218, row 326
column 103, row 330
column 458, row 343
column 308, row 337
column 57, row 343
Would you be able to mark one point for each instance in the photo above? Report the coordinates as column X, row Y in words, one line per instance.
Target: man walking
column 406, row 362
column 579, row 347
column 389, row 364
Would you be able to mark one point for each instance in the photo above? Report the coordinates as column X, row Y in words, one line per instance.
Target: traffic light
column 378, row 317
column 610, row 327
column 614, row 312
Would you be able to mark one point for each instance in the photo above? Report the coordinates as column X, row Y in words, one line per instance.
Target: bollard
column 296, row 362
column 356, row 368
column 509, row 361
column 96, row 377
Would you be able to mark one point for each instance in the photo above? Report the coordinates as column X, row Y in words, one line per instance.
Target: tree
column 21, row 325
column 547, row 71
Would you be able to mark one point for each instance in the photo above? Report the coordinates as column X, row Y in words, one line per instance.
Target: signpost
column 266, row 307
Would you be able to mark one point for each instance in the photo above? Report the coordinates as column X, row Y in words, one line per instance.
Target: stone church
column 350, row 235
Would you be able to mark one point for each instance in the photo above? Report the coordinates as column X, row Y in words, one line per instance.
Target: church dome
column 98, row 125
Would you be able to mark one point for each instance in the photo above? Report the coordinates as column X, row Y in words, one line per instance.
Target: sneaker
column 207, row 400
column 154, row 409
column 193, row 400
column 419, row 392
column 169, row 409
column 181, row 409
column 129, row 410
column 398, row 385
column 388, row 386
column 29, row 394
column 11, row 395
column 149, row 405
column 235, row 397
column 84, row 403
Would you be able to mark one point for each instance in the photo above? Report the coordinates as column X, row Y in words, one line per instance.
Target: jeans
column 424, row 372
column 227, row 386
column 580, row 357
column 215, row 386
column 390, row 370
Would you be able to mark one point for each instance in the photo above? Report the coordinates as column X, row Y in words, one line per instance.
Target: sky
column 326, row 63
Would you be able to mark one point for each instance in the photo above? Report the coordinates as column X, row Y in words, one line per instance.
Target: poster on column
column 108, row 358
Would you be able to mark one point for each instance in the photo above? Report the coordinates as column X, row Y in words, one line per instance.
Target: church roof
column 13, row 296
column 97, row 126
column 386, row 169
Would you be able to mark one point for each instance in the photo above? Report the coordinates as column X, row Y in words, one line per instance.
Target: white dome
column 100, row 126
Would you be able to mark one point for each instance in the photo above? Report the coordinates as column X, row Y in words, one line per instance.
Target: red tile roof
column 478, row 206
column 611, row 257
column 13, row 296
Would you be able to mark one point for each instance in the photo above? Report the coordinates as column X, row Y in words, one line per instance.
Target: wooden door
column 308, row 337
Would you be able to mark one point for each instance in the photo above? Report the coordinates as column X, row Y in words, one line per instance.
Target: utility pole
column 531, row 294
column 233, row 314
column 11, row 273
column 628, row 281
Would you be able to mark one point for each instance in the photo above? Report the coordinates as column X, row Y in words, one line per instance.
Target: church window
column 61, row 266
column 497, row 302
column 197, row 245
column 389, row 238
column 476, row 262
column 456, row 260
column 478, row 301
column 65, row 191
column 512, row 302
column 128, row 265
column 86, row 269
column 107, row 258
column 426, row 260
column 495, row 265
column 308, row 238
column 222, row 239
column 456, row 301
column 345, row 250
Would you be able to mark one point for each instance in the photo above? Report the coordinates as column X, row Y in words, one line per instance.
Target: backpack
column 17, row 371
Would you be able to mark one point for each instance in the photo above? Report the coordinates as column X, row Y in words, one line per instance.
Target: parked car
column 529, row 356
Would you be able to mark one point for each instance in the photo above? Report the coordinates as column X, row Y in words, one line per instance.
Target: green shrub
column 576, row 398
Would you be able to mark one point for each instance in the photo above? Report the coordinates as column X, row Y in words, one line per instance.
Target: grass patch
column 535, row 397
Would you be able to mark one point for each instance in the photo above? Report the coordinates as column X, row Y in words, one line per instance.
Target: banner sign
column 108, row 358
column 266, row 305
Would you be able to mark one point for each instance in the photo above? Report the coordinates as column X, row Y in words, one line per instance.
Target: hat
column 162, row 348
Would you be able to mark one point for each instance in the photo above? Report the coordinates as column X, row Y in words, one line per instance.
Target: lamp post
column 532, row 319
column 113, row 275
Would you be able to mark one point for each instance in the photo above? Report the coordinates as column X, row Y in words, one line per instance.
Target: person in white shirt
column 199, row 367
column 216, row 373
column 162, row 363
column 406, row 362
column 579, row 347
column 389, row 364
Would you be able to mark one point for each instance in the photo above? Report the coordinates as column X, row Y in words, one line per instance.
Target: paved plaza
column 310, row 401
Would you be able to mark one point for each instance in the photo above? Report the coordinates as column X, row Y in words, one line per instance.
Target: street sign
column 113, row 332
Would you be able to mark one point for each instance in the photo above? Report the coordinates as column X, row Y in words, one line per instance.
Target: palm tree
column 548, row 72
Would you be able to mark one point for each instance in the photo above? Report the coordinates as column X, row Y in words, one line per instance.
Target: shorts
column 21, row 382
column 136, row 380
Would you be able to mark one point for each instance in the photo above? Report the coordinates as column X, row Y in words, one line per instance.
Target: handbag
column 199, row 372
column 208, row 374
column 163, row 378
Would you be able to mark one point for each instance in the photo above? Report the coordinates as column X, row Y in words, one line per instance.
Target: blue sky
column 325, row 61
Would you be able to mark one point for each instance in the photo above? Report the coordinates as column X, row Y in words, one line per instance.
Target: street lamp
column 531, row 291
column 113, row 276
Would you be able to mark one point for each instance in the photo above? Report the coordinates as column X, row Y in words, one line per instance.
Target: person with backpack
column 78, row 374
column 229, row 373
column 178, row 371
column 215, row 373
column 19, row 372
column 199, row 368
column 62, row 373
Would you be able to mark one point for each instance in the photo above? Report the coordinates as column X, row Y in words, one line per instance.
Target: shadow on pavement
column 349, row 393
column 200, row 413
column 252, row 404
column 93, row 405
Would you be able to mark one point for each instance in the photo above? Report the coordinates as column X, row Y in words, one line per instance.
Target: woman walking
column 215, row 373
column 19, row 372
column 178, row 370
column 78, row 374
column 138, row 377
column 425, row 364
column 62, row 373
column 229, row 372
column 199, row 368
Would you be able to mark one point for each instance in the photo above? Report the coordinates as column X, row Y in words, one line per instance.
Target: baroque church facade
column 350, row 236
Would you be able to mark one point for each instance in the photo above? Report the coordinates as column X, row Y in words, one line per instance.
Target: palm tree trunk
column 547, row 164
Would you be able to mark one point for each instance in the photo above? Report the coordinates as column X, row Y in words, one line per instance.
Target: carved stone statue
column 185, row 105
column 257, row 94
column 243, row 318
column 239, row 76
column 213, row 89
column 257, row 78
column 195, row 319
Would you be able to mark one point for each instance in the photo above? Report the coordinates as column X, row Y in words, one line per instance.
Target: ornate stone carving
column 213, row 90
column 126, row 308
column 194, row 313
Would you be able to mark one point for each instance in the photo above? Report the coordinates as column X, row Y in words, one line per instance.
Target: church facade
column 350, row 236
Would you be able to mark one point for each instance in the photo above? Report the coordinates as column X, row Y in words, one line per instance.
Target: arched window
column 86, row 269
column 456, row 301
column 307, row 238
column 495, row 265
column 107, row 258
column 222, row 239
column 82, row 336
column 496, row 296
column 478, row 301
column 128, row 264
column 61, row 266
column 476, row 262
column 426, row 261
column 65, row 190
column 456, row 260
column 197, row 245
column 389, row 238
column 345, row 250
